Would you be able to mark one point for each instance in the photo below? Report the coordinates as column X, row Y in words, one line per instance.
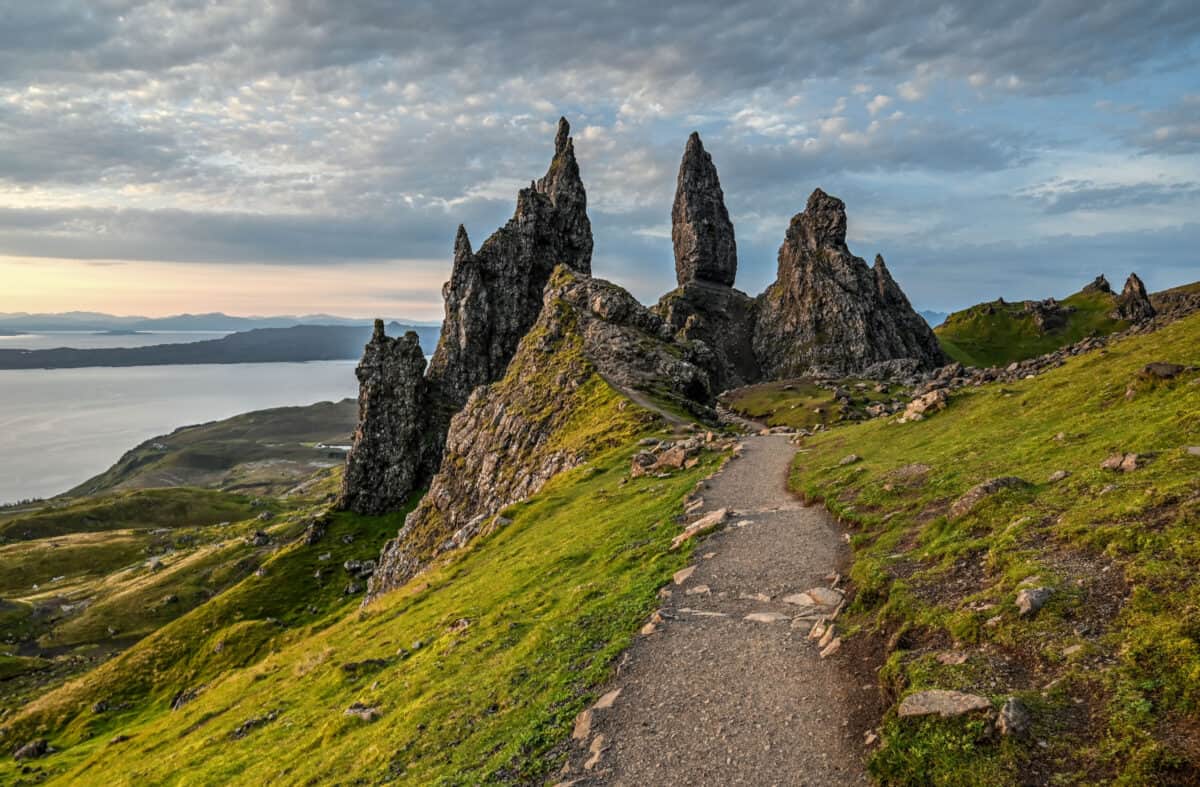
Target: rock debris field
column 726, row 684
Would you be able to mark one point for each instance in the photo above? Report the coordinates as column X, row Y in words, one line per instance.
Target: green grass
column 146, row 509
column 1111, row 666
column 996, row 334
column 802, row 404
column 550, row 600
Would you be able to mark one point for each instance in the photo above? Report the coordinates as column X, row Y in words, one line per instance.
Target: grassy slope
column 1119, row 550
column 976, row 337
column 154, row 508
column 263, row 452
column 550, row 598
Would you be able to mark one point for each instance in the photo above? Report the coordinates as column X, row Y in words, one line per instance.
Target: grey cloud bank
column 969, row 139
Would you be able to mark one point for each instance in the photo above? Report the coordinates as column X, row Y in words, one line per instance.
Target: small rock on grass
column 1121, row 463
column 1030, row 600
column 1193, row 450
column 364, row 712
column 1013, row 719
column 1059, row 475
column 942, row 702
column 850, row 459
column 32, row 750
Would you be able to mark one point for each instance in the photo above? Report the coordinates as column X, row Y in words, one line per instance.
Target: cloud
column 320, row 131
column 1172, row 130
column 1065, row 196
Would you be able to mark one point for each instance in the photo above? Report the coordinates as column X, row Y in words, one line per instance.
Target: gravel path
column 711, row 698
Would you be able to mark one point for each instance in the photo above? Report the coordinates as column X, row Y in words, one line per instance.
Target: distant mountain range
column 933, row 318
column 260, row 345
column 22, row 322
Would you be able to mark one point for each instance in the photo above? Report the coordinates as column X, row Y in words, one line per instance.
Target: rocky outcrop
column 1133, row 304
column 560, row 403
column 387, row 458
column 723, row 319
column 828, row 312
column 701, row 231
column 1099, row 284
column 494, row 294
column 492, row 299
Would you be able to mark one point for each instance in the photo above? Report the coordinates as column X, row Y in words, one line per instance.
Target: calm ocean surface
column 59, row 427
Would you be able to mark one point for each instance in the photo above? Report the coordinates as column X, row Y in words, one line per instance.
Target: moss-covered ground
column 996, row 333
column 1110, row 667
column 803, row 404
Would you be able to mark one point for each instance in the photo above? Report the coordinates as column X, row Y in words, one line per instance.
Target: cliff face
column 562, row 401
column 827, row 312
column 385, row 463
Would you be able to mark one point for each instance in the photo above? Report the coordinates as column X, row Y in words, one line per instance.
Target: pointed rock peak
column 380, row 334
column 562, row 138
column 880, row 265
column 1134, row 286
column 823, row 222
column 1133, row 304
column 1099, row 284
column 701, row 231
column 462, row 245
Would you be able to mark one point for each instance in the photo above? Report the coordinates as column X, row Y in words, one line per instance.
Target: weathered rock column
column 701, row 231
column 385, row 463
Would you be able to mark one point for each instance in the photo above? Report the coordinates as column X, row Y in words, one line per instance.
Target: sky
column 300, row 156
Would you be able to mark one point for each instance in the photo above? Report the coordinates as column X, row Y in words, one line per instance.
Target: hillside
column 1107, row 670
column 998, row 333
column 280, row 686
column 266, row 452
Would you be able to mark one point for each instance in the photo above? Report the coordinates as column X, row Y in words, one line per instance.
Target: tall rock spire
column 828, row 312
column 701, row 231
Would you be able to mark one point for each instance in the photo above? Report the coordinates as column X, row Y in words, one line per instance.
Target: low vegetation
column 1109, row 668
column 266, row 452
column 805, row 404
column 999, row 333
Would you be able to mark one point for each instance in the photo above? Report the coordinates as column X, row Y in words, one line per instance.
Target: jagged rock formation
column 560, row 402
column 492, row 299
column 1099, row 284
column 827, row 312
column 701, row 231
column 705, row 307
column 386, row 460
column 495, row 293
column 1133, row 304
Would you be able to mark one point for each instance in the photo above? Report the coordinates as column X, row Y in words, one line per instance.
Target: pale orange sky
column 153, row 289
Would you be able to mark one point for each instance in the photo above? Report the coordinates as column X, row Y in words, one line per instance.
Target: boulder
column 941, row 702
column 32, row 750
column 1161, row 370
column 1030, row 600
column 1013, row 719
column 978, row 493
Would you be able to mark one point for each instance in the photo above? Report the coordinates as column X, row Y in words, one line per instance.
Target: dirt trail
column 711, row 698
